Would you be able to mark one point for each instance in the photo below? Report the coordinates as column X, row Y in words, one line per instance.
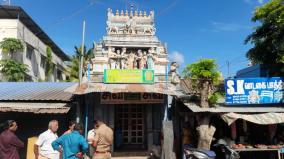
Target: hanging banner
column 254, row 90
column 131, row 98
column 129, row 76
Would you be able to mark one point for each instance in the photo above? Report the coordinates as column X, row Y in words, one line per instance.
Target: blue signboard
column 254, row 90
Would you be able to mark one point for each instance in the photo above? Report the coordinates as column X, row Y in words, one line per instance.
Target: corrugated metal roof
column 162, row 88
column 36, row 91
column 235, row 109
column 262, row 118
column 54, row 108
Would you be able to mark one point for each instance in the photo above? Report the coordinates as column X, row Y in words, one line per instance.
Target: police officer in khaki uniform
column 103, row 140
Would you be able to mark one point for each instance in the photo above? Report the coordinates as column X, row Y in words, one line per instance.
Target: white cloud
column 231, row 27
column 176, row 56
column 260, row 1
column 253, row 1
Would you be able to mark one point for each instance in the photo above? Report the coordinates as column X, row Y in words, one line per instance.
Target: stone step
column 132, row 157
column 128, row 155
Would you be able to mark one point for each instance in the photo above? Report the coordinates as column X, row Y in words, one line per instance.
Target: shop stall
column 250, row 118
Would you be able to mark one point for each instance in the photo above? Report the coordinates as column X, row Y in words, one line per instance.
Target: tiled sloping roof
column 186, row 85
column 37, row 108
column 162, row 88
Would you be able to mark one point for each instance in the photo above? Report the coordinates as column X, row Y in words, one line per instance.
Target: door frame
column 142, row 146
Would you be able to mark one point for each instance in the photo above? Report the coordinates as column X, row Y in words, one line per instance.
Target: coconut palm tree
column 88, row 55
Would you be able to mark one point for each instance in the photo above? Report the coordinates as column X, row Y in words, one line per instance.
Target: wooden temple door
column 130, row 119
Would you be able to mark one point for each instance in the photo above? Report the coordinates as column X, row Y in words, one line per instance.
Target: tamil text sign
column 128, row 76
column 131, row 98
column 254, row 90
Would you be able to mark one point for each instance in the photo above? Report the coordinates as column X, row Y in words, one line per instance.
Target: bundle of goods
column 238, row 146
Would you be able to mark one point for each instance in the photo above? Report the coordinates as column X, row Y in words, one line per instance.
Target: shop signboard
column 254, row 90
column 143, row 76
column 131, row 98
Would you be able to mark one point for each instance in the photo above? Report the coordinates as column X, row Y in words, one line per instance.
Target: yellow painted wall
column 30, row 149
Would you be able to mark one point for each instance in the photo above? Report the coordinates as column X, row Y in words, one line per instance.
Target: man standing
column 74, row 144
column 9, row 142
column 103, row 140
column 71, row 127
column 91, row 138
column 42, row 147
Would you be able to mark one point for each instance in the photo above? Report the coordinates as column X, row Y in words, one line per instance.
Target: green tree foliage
column 203, row 69
column 49, row 65
column 13, row 70
column 268, row 36
column 74, row 71
column 204, row 75
column 88, row 55
column 11, row 46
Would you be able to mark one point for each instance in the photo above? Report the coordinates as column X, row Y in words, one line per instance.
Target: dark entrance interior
column 130, row 127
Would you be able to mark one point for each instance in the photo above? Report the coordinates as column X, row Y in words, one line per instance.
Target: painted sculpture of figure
column 175, row 78
column 152, row 50
column 151, row 59
column 144, row 60
column 130, row 26
column 130, row 60
column 112, row 57
column 162, row 50
column 118, row 59
column 123, row 58
column 112, row 30
column 139, row 59
column 149, row 30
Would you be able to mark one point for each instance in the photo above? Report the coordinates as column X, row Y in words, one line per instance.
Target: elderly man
column 42, row 147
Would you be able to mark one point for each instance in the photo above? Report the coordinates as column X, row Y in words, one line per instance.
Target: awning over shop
column 37, row 108
column 258, row 115
column 264, row 118
column 162, row 88
column 235, row 109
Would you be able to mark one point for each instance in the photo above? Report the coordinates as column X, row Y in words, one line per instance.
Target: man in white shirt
column 42, row 147
column 91, row 138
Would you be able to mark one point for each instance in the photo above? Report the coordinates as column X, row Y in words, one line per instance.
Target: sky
column 192, row 29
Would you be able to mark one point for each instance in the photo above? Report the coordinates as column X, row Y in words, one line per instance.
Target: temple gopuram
column 130, row 83
column 130, row 43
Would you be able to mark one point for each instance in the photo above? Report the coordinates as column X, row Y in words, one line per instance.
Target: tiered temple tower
column 130, row 43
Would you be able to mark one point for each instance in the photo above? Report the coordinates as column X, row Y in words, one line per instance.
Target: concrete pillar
column 149, row 128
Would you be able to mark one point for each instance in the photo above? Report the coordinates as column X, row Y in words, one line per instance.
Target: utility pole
column 228, row 66
column 82, row 55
